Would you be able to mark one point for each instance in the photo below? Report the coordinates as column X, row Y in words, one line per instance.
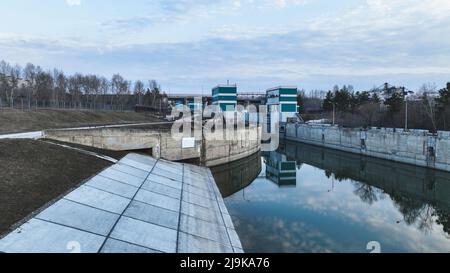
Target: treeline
column 33, row 87
column 427, row 108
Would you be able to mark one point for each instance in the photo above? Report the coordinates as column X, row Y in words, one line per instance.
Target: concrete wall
column 244, row 143
column 115, row 139
column 172, row 149
column 417, row 147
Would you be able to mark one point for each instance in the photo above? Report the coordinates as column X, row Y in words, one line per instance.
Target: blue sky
column 192, row 45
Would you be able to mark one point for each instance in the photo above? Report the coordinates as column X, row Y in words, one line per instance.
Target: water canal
column 309, row 199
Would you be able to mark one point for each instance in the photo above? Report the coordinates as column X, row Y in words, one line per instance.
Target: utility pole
column 406, row 113
column 406, row 93
column 334, row 113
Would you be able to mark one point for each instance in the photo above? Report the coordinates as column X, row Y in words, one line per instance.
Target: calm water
column 309, row 199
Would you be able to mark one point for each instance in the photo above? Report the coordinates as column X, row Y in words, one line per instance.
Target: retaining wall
column 243, row 143
column 417, row 147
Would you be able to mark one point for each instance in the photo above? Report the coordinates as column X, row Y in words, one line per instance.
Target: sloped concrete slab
column 146, row 235
column 139, row 205
column 79, row 216
column 137, row 164
column 37, row 236
column 165, row 181
column 197, row 183
column 112, row 186
column 204, row 229
column 165, row 173
column 235, row 241
column 162, row 189
column 188, row 243
column 122, row 177
column 169, row 169
column 115, row 247
column 228, row 221
column 238, row 250
column 201, row 213
column 158, row 200
column 170, row 164
column 99, row 199
column 130, row 170
column 196, row 169
column 200, row 201
column 199, row 191
column 151, row 214
column 222, row 206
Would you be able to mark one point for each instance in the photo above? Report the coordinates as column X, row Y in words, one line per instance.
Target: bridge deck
column 137, row 205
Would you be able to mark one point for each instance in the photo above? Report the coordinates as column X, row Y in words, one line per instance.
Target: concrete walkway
column 40, row 134
column 139, row 205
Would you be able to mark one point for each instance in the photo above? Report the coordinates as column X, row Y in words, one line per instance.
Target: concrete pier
column 138, row 205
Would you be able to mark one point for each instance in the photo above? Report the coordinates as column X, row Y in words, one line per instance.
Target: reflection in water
column 235, row 176
column 338, row 202
column 279, row 170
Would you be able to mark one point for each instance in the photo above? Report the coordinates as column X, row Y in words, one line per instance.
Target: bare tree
column 54, row 88
column 14, row 79
column 104, row 89
column 29, row 75
column 429, row 103
column 120, row 87
column 44, row 86
column 5, row 84
column 139, row 90
column 75, row 88
column 60, row 87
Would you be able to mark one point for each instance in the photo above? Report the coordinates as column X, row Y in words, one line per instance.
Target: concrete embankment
column 161, row 144
column 417, row 147
column 139, row 205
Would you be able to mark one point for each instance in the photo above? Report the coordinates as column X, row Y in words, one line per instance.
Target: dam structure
column 159, row 143
column 148, row 201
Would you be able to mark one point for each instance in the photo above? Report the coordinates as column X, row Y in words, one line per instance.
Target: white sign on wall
column 188, row 142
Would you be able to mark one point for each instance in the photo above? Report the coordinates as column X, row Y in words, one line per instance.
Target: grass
column 34, row 173
column 15, row 121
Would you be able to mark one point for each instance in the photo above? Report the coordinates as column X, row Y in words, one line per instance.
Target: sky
column 189, row 46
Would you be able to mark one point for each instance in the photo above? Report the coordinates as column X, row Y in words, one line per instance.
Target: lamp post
column 406, row 93
column 334, row 113
column 406, row 113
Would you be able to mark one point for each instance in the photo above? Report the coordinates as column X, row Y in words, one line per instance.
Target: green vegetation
column 31, row 180
column 428, row 108
column 13, row 121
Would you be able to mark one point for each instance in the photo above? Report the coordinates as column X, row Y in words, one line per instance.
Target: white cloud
column 285, row 3
column 73, row 2
column 373, row 42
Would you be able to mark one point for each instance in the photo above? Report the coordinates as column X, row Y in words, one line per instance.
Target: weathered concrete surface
column 115, row 139
column 139, row 205
column 417, row 147
column 242, row 144
column 211, row 152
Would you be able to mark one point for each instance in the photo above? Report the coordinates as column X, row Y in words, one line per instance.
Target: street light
column 334, row 113
column 406, row 93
